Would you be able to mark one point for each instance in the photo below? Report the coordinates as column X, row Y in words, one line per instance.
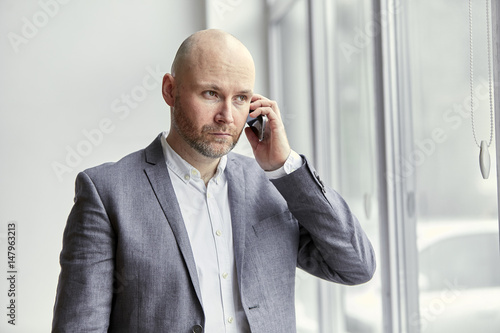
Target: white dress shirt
column 206, row 215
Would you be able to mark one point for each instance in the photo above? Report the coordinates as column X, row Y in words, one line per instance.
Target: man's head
column 209, row 93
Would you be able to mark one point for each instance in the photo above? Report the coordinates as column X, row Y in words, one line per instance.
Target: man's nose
column 225, row 113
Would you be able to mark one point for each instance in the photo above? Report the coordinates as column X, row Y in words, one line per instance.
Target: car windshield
column 458, row 260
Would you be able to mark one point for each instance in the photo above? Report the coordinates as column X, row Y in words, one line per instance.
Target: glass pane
column 296, row 111
column 295, row 105
column 354, row 93
column 459, row 261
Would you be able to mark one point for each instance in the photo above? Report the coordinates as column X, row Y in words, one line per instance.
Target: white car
column 459, row 281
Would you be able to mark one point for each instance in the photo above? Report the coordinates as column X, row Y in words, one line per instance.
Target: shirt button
column 186, row 177
column 230, row 320
column 225, row 275
column 194, row 172
column 218, row 232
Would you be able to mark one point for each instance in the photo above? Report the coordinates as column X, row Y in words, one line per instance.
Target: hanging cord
column 488, row 42
column 490, row 76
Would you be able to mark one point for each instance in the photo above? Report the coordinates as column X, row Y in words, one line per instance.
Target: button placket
column 221, row 244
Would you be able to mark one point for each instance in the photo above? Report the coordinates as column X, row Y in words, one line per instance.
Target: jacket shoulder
column 131, row 164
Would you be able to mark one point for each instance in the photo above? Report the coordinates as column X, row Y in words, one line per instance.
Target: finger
column 256, row 97
column 268, row 111
column 273, row 105
column 259, row 100
column 263, row 102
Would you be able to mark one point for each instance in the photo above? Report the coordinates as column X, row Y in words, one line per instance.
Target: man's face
column 212, row 103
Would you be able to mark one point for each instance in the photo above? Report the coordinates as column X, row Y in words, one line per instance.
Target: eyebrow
column 215, row 87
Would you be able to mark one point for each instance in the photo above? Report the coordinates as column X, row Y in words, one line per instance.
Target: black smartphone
column 258, row 125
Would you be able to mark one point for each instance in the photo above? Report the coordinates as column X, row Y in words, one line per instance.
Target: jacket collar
column 237, row 205
column 159, row 179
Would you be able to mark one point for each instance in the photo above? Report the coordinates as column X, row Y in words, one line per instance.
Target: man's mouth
column 221, row 134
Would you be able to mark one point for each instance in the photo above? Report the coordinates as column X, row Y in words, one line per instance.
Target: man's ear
column 168, row 88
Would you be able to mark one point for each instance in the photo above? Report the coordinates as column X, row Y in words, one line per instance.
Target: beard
column 203, row 142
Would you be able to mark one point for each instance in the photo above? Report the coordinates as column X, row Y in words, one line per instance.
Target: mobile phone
column 258, row 125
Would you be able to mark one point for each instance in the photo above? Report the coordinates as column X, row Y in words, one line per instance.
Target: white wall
column 79, row 86
column 63, row 71
column 246, row 20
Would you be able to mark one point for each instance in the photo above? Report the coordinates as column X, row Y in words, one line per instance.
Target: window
column 353, row 105
column 456, row 210
column 402, row 154
column 290, row 42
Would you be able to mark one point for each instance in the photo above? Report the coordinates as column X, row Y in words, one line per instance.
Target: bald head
column 210, row 45
column 209, row 93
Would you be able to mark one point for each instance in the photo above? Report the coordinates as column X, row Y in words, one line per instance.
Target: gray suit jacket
column 127, row 264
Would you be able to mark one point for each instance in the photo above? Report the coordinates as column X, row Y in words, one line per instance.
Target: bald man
column 186, row 236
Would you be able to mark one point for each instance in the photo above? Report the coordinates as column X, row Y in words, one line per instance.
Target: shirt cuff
column 292, row 163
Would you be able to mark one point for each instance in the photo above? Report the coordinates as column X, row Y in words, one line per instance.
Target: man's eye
column 210, row 93
column 242, row 98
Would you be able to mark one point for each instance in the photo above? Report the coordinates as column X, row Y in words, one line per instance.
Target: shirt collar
column 183, row 169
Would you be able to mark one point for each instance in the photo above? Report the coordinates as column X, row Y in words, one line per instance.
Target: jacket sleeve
column 85, row 289
column 332, row 245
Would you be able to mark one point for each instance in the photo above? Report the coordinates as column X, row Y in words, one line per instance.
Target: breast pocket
column 271, row 255
column 276, row 239
column 284, row 221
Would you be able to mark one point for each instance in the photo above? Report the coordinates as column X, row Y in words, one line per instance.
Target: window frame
column 495, row 18
column 329, row 296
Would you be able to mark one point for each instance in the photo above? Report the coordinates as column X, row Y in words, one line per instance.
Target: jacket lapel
column 236, row 193
column 159, row 179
